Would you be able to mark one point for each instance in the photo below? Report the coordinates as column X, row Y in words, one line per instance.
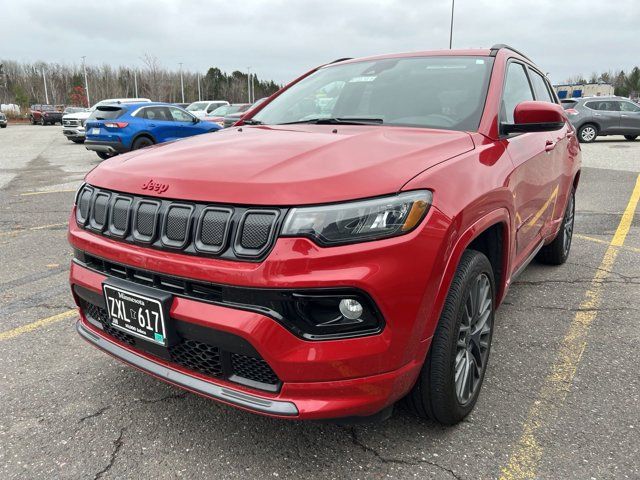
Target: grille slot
column 196, row 355
column 213, row 229
column 255, row 232
column 177, row 223
column 98, row 217
column 145, row 220
column 84, row 205
column 119, row 216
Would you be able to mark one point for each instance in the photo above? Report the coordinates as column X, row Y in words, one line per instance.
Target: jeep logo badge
column 155, row 186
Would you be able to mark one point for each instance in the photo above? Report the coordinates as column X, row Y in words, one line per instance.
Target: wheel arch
column 140, row 135
column 491, row 235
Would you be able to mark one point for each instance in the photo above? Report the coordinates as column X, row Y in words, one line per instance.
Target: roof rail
column 341, row 60
column 499, row 46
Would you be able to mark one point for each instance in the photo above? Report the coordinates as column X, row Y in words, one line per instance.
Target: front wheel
column 631, row 138
column 587, row 133
column 449, row 383
column 42, row 121
column 557, row 252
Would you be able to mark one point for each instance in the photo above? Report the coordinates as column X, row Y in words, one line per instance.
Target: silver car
column 600, row 116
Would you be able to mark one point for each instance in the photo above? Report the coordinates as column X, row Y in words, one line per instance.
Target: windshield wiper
column 339, row 121
column 251, row 122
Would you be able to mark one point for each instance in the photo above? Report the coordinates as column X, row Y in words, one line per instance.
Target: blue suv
column 114, row 129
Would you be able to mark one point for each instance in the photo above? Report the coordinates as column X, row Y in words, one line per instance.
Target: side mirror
column 533, row 116
column 195, row 120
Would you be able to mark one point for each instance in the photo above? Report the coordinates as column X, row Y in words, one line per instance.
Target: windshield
column 73, row 110
column 47, row 108
column 436, row 92
column 197, row 106
column 220, row 111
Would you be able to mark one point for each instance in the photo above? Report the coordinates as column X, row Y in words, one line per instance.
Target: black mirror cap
column 508, row 128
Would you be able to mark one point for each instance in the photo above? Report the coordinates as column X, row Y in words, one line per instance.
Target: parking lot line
column 25, row 194
column 604, row 242
column 11, row 233
column 43, row 322
column 524, row 459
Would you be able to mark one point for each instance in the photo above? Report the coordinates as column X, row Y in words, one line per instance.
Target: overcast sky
column 280, row 39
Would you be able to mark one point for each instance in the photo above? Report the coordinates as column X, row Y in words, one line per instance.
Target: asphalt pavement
column 561, row 399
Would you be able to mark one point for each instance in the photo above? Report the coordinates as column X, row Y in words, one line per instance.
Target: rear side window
column 540, row 87
column 160, row 114
column 604, row 106
column 106, row 113
column 516, row 90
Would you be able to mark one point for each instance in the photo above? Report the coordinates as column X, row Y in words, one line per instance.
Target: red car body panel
column 478, row 179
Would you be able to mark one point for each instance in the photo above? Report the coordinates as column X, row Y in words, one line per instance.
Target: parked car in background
column 3, row 120
column 204, row 107
column 119, row 128
column 217, row 115
column 600, row 116
column 44, row 115
column 181, row 105
column 73, row 123
column 233, row 117
column 326, row 261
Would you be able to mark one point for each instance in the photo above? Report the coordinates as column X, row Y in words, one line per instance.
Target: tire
column 557, row 252
column 104, row 155
column 42, row 122
column 587, row 133
column 631, row 138
column 33, row 121
column 76, row 140
column 3, row 126
column 141, row 142
column 436, row 394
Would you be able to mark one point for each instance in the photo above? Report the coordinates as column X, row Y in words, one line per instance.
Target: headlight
column 359, row 221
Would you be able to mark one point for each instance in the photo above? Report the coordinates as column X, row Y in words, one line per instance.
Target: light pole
column 181, row 83
column 86, row 83
column 249, row 84
column 253, row 89
column 199, row 93
column 46, row 93
column 135, row 80
column 453, row 4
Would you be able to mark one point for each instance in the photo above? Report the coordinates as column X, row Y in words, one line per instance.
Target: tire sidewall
column 141, row 142
column 444, row 402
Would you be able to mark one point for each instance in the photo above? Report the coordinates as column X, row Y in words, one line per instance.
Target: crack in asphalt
column 117, row 445
column 386, row 460
column 95, row 414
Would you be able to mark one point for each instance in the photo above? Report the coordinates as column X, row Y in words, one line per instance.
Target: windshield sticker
column 363, row 79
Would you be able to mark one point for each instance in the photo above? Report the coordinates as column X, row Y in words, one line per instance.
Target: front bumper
column 321, row 379
column 104, row 146
column 73, row 132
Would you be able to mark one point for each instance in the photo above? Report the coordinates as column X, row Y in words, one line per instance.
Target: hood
column 77, row 116
column 293, row 165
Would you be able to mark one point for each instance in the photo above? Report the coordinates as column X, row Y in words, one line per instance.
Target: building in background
column 579, row 90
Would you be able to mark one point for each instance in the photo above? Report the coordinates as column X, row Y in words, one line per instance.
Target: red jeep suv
column 344, row 247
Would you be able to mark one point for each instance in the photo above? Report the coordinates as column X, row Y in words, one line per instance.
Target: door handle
column 550, row 145
column 623, row 115
column 597, row 115
column 152, row 124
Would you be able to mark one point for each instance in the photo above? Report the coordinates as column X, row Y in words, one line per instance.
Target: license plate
column 136, row 314
column 95, row 131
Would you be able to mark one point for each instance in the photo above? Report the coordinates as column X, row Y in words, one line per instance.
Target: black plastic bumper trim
column 226, row 394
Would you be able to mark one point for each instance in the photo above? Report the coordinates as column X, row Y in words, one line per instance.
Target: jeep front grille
column 230, row 232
